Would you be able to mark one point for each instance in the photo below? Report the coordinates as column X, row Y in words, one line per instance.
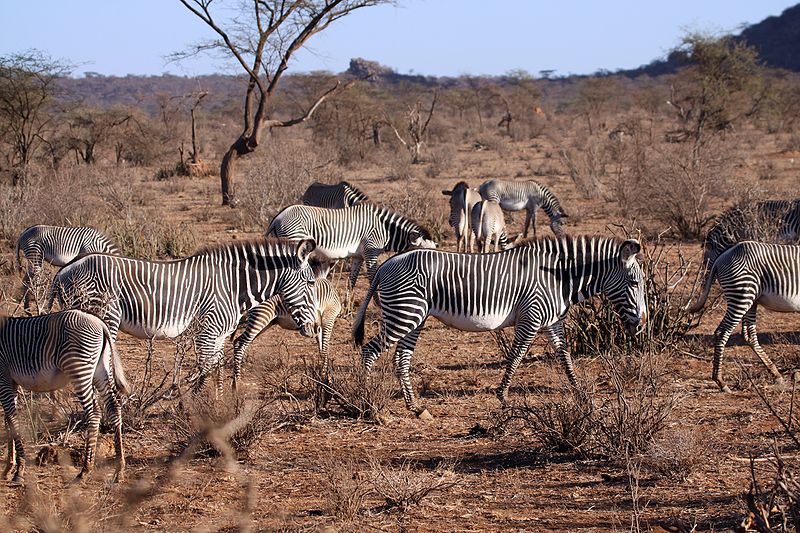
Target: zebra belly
column 338, row 252
column 45, row 381
column 483, row 322
column 514, row 204
column 142, row 331
column 780, row 302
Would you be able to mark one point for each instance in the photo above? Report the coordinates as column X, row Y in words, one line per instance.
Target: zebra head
column 296, row 287
column 557, row 224
column 420, row 238
column 625, row 287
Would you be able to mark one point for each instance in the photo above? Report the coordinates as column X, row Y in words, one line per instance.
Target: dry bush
column 680, row 186
column 347, row 486
column 147, row 236
column 406, row 485
column 364, row 395
column 679, row 452
column 441, row 160
column 416, row 204
column 561, row 421
column 276, row 179
column 585, row 165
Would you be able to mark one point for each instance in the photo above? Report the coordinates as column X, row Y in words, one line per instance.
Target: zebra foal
column 327, row 308
column 752, row 274
column 531, row 287
column 489, row 226
column 57, row 245
column 45, row 353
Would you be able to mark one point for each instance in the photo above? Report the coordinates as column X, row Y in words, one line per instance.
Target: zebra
column 527, row 195
column 272, row 311
column 212, row 289
column 57, row 245
column 531, row 286
column 489, row 226
column 360, row 232
column 46, row 352
column 752, row 273
column 462, row 198
column 335, row 196
column 768, row 221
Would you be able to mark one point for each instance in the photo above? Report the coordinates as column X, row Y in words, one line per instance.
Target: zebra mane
column 461, row 183
column 568, row 243
column 268, row 243
column 550, row 203
column 401, row 218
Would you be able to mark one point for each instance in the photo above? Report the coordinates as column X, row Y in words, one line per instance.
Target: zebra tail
column 358, row 325
column 701, row 301
column 54, row 290
column 116, row 365
column 19, row 261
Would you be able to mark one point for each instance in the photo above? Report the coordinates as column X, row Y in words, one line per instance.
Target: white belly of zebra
column 338, row 252
column 50, row 380
column 482, row 322
column 780, row 302
column 168, row 331
column 514, row 204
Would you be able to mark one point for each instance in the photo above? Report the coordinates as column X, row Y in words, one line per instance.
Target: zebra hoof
column 16, row 481
column 725, row 389
column 425, row 415
column 119, row 477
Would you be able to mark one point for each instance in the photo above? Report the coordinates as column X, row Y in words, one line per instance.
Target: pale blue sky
column 437, row 37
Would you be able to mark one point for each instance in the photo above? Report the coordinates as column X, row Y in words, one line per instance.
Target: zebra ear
column 564, row 214
column 629, row 248
column 447, row 193
column 321, row 267
column 304, row 249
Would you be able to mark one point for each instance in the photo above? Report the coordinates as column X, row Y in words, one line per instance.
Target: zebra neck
column 397, row 227
column 550, row 204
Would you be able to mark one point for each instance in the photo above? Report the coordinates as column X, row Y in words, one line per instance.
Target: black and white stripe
column 335, row 196
column 57, row 245
column 47, row 352
column 527, row 195
column 462, row 200
column 531, row 287
column 361, row 232
column 752, row 274
column 213, row 288
column 489, row 226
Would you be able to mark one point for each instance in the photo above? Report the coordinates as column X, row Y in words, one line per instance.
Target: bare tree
column 91, row 127
column 27, row 85
column 416, row 126
column 262, row 38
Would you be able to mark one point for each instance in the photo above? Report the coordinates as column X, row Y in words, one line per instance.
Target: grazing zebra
column 212, row 289
column 361, row 232
column 273, row 311
column 775, row 221
column 57, row 245
column 531, row 286
column 45, row 353
column 752, row 273
column 489, row 226
column 335, row 196
column 462, row 198
column 527, row 195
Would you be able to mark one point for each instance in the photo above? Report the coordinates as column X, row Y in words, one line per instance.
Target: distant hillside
column 777, row 40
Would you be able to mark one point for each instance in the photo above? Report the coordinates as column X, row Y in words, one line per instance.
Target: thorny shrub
column 347, row 486
column 364, row 395
column 278, row 178
column 679, row 452
column 406, row 484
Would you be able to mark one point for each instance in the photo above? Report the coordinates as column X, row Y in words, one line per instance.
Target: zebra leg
column 524, row 332
column 258, row 320
column 16, row 450
column 751, row 337
column 209, row 353
column 92, row 412
column 326, row 330
column 402, row 364
column 557, row 337
column 355, row 268
column 108, row 389
column 528, row 214
column 733, row 315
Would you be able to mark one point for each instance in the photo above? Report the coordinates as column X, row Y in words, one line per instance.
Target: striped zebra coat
column 211, row 289
column 530, row 287
column 361, row 232
column 527, row 195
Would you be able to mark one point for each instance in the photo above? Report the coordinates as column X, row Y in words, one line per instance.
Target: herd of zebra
column 282, row 278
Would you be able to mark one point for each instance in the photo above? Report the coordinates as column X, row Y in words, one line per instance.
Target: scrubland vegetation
column 646, row 443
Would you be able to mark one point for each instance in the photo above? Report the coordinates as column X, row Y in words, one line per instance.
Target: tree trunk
column 227, row 171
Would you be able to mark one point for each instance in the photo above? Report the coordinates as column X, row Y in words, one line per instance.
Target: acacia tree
column 262, row 38
column 27, row 86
